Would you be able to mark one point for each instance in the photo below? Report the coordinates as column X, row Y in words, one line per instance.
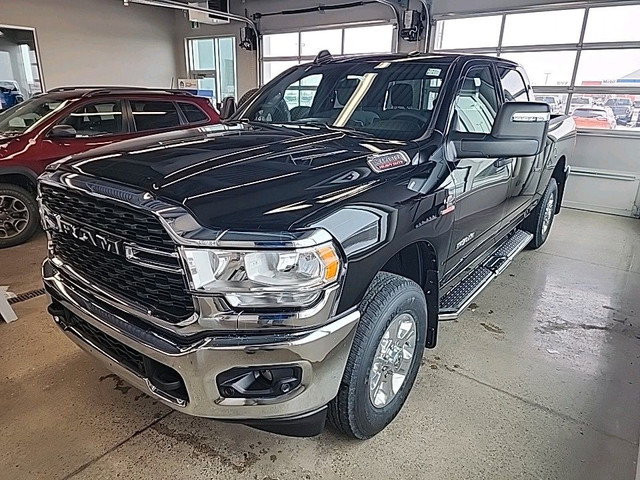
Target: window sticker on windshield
column 434, row 72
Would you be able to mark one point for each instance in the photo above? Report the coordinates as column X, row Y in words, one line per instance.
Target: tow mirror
column 228, row 108
column 520, row 130
column 63, row 131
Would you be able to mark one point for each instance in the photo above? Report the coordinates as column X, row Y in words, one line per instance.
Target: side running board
column 456, row 300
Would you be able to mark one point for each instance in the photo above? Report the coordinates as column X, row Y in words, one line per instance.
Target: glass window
column 373, row 39
column 613, row 24
column 17, row 119
column 213, row 62
column 281, row 45
column 154, row 115
column 543, row 28
column 227, row 70
column 193, row 113
column 273, row 69
column 513, row 85
column 546, row 68
column 606, row 111
column 202, row 54
column 314, row 41
column 384, row 102
column 477, row 103
column 614, row 68
column 557, row 102
column 302, row 93
column 475, row 32
column 96, row 119
column 282, row 51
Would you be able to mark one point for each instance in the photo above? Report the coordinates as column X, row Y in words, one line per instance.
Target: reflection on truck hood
column 242, row 176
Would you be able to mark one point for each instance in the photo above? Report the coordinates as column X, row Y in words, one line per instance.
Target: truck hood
column 246, row 177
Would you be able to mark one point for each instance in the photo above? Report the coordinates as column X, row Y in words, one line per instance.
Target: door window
column 193, row 113
column 513, row 86
column 154, row 115
column 96, row 119
column 477, row 103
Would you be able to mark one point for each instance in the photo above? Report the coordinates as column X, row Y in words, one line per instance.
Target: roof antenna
column 323, row 57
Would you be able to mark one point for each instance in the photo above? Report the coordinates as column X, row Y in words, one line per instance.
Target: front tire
column 384, row 359
column 19, row 216
column 541, row 219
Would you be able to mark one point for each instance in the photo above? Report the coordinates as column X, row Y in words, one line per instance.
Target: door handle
column 501, row 162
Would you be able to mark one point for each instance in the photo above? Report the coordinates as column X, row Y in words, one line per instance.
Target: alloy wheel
column 14, row 216
column 392, row 360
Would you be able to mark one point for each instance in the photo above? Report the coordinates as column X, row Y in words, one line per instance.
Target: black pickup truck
column 293, row 263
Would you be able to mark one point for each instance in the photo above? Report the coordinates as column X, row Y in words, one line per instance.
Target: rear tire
column 384, row 359
column 541, row 219
column 19, row 216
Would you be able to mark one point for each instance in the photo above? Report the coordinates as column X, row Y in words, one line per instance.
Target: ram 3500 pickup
column 293, row 263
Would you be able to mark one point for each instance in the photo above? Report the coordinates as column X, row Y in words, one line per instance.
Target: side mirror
column 520, row 130
column 63, row 131
column 228, row 108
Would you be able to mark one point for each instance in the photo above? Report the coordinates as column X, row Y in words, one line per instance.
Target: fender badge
column 388, row 161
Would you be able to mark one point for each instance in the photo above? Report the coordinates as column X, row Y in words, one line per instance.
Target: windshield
column 26, row 114
column 392, row 100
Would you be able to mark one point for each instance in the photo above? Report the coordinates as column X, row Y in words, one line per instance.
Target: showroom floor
column 539, row 379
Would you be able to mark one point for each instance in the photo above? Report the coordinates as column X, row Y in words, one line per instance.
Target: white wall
column 98, row 42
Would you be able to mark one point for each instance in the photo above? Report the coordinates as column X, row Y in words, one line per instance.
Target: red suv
column 71, row 120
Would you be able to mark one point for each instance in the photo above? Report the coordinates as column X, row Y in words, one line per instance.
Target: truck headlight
column 264, row 278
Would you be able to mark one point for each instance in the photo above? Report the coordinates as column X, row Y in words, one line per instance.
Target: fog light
column 259, row 382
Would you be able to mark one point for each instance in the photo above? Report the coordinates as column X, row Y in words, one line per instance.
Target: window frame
column 300, row 58
column 195, row 73
column 132, row 121
column 578, row 47
column 517, row 71
column 470, row 67
column 183, row 115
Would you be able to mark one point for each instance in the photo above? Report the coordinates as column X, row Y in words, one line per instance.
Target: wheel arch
column 418, row 261
column 20, row 176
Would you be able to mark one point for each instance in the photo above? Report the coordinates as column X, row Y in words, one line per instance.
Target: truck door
column 481, row 185
column 525, row 171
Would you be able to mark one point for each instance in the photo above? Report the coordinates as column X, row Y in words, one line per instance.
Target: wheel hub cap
column 14, row 216
column 392, row 360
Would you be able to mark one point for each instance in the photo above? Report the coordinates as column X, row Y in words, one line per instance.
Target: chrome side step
column 456, row 300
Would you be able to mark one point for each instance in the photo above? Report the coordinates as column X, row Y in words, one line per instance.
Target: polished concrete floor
column 539, row 379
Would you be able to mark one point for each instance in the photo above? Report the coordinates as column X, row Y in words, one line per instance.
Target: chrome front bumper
column 321, row 354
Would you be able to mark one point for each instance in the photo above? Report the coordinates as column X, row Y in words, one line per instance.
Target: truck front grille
column 162, row 293
column 130, row 224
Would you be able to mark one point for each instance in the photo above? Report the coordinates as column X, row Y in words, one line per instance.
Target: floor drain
column 27, row 296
